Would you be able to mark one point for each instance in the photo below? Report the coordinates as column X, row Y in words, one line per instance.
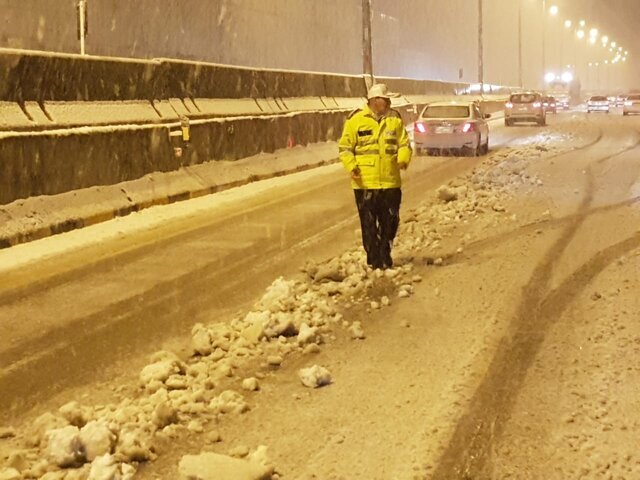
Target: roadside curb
column 101, row 215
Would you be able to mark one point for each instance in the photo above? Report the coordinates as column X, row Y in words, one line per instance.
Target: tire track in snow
column 468, row 455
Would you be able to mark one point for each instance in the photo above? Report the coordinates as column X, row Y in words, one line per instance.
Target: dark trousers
column 379, row 219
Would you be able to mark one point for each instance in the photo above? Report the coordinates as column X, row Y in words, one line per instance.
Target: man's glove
column 355, row 174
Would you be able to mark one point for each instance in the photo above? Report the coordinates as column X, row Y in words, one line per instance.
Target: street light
column 568, row 23
column 614, row 44
column 580, row 34
column 554, row 10
column 567, row 77
column 549, row 77
column 582, row 23
column 592, row 40
column 593, row 32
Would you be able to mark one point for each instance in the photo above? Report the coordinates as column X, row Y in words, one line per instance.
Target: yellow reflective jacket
column 376, row 148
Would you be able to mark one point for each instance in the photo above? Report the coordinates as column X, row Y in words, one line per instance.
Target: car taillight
column 420, row 127
column 509, row 105
column 468, row 127
column 537, row 105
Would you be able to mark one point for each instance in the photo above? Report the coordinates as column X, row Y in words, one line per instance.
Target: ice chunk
column 212, row 466
column 97, row 439
column 64, row 447
column 315, row 376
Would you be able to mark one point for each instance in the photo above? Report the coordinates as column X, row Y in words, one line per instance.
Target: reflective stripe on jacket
column 375, row 147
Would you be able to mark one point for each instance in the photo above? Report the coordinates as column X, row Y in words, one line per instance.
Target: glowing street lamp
column 554, row 10
column 592, row 40
column 568, row 23
column 580, row 34
column 549, row 77
column 582, row 23
column 567, row 77
column 614, row 44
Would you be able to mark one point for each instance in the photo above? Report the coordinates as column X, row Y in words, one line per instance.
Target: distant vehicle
column 598, row 103
column 452, row 125
column 620, row 100
column 550, row 104
column 613, row 100
column 563, row 101
column 525, row 107
column 631, row 105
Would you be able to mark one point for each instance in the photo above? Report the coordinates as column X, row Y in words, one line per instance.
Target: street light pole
column 82, row 25
column 480, row 49
column 520, row 81
column 544, row 37
column 367, row 49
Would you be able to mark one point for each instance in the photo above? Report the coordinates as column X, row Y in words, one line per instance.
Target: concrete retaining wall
column 28, row 76
column 48, row 164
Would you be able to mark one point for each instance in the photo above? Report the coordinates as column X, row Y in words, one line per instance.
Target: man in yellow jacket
column 374, row 147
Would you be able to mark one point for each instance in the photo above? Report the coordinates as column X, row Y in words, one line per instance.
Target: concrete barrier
column 35, row 76
column 49, row 163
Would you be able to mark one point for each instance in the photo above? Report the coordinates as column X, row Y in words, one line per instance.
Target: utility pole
column 544, row 38
column 520, row 80
column 367, row 50
column 480, row 49
column 82, row 25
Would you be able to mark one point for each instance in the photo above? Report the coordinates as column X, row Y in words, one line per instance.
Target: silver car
column 598, row 103
column 631, row 105
column 525, row 107
column 452, row 126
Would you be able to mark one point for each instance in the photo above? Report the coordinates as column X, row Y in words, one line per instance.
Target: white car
column 525, row 107
column 598, row 104
column 452, row 125
column 631, row 105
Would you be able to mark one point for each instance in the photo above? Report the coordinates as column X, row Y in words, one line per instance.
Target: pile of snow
column 213, row 466
column 315, row 377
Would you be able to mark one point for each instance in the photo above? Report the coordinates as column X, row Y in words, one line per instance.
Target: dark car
column 550, row 104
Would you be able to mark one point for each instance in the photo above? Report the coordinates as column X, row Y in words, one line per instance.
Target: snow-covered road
column 511, row 357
